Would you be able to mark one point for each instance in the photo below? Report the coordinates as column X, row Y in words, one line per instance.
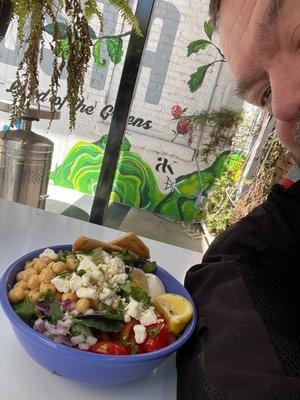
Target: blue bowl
column 81, row 366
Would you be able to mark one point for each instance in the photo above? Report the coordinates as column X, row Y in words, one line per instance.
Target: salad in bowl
column 101, row 298
column 95, row 312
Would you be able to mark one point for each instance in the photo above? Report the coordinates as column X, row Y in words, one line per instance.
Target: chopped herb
column 109, row 312
column 126, row 287
column 63, row 254
column 134, row 349
column 45, row 297
column 81, row 272
column 80, row 329
column 97, row 255
column 100, row 322
column 55, row 313
column 139, row 294
column 65, row 274
column 128, row 257
column 25, row 310
column 148, row 266
column 154, row 332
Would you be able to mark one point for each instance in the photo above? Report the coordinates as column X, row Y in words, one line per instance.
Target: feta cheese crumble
column 49, row 253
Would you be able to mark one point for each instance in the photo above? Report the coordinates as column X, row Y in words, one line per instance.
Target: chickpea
column 72, row 263
column 33, row 295
column 46, row 260
column 50, row 265
column 34, row 282
column 58, row 267
column 57, row 296
column 71, row 296
column 19, row 276
column 21, row 284
column 16, row 295
column 28, row 273
column 39, row 266
column 45, row 286
column 46, row 275
column 82, row 305
column 28, row 265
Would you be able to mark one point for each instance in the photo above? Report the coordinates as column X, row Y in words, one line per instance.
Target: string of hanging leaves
column 71, row 47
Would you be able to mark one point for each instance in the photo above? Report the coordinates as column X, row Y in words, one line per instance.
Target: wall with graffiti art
column 160, row 169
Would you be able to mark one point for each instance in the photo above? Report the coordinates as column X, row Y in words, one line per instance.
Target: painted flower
column 176, row 111
column 184, row 126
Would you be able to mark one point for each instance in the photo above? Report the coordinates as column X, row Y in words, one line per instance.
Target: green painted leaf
column 197, row 78
column 196, row 46
column 115, row 49
column 209, row 29
column 92, row 33
column 61, row 27
column 100, row 62
column 99, row 322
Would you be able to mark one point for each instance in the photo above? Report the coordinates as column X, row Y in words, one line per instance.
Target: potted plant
column 71, row 46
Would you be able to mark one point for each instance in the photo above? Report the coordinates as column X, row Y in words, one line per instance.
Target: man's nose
column 285, row 85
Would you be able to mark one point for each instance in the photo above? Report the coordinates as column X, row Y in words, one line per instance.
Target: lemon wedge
column 177, row 311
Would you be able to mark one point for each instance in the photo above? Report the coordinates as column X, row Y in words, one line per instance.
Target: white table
column 23, row 229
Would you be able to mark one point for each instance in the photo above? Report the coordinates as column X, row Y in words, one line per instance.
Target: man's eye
column 265, row 97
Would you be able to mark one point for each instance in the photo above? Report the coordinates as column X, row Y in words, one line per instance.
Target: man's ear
column 6, row 13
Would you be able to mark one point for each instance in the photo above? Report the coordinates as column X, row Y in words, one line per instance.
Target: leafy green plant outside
column 71, row 46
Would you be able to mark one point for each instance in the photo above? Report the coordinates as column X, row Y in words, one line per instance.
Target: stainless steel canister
column 25, row 161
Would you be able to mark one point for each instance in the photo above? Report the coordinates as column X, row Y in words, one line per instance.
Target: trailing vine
column 71, row 46
column 219, row 121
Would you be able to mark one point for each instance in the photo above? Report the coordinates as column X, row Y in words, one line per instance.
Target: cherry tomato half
column 108, row 347
column 158, row 337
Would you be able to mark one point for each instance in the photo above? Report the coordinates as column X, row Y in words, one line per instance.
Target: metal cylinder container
column 25, row 159
column 25, row 162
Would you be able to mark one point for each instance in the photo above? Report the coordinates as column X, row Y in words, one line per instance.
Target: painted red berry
column 176, row 111
column 184, row 126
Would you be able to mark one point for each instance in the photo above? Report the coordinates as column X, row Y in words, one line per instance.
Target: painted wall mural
column 136, row 183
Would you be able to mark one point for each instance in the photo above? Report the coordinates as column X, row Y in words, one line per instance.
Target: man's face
column 261, row 41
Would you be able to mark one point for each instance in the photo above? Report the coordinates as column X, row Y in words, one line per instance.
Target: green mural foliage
column 135, row 183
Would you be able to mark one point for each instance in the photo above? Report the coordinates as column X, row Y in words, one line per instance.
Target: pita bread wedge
column 85, row 243
column 132, row 242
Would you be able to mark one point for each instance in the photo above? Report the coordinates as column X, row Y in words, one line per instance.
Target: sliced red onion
column 76, row 340
column 39, row 326
column 67, row 305
column 51, row 328
column 91, row 340
column 83, row 346
column 61, row 329
column 42, row 308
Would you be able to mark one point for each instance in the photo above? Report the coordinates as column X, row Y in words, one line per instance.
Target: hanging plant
column 71, row 47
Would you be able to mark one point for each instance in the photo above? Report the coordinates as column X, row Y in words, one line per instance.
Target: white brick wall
column 190, row 16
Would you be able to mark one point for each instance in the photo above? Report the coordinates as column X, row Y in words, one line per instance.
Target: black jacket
column 247, row 293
